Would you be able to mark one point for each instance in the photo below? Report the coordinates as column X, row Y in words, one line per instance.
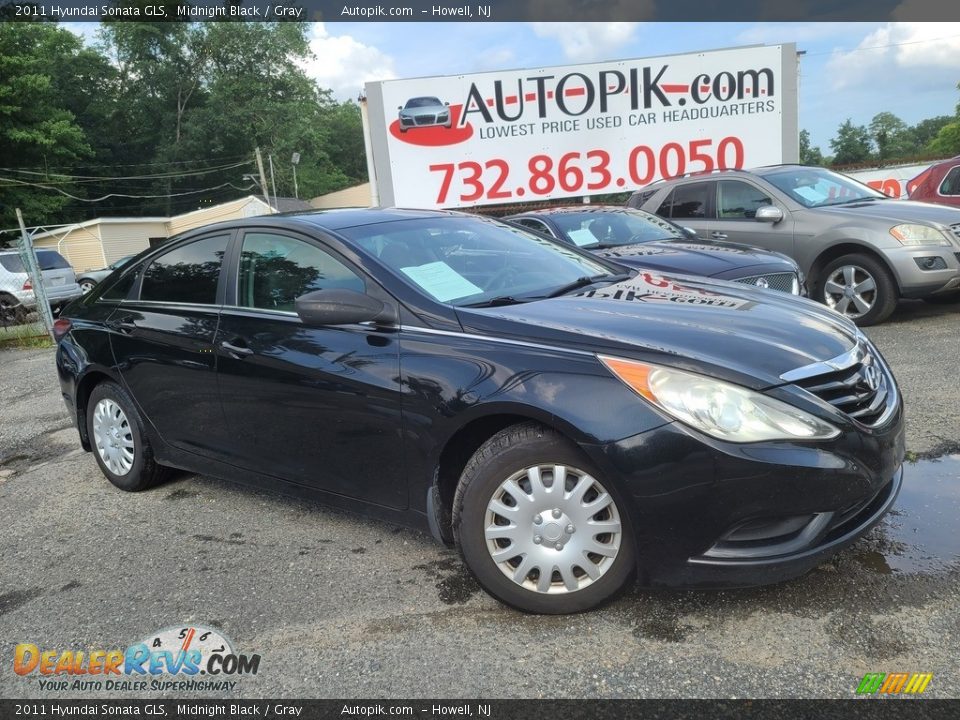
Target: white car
column 17, row 298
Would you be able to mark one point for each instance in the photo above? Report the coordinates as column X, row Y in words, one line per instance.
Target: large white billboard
column 517, row 135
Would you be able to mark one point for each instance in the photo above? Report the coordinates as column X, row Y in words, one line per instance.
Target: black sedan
column 641, row 239
column 568, row 423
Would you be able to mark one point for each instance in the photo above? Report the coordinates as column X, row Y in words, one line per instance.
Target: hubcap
column 851, row 291
column 86, row 287
column 113, row 437
column 552, row 529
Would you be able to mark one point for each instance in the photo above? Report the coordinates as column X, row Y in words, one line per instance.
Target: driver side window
column 275, row 270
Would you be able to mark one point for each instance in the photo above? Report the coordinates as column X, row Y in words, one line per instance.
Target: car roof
column 571, row 209
column 333, row 219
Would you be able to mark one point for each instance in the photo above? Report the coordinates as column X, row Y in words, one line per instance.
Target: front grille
column 426, row 119
column 784, row 282
column 859, row 390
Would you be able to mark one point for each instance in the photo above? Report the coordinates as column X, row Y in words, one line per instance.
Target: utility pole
column 272, row 183
column 295, row 160
column 263, row 178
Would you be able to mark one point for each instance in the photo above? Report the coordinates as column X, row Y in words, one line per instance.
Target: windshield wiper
column 497, row 301
column 582, row 282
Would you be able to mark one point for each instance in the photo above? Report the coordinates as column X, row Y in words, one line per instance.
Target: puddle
column 922, row 532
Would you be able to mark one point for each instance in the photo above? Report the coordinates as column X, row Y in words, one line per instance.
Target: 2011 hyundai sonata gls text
column 568, row 422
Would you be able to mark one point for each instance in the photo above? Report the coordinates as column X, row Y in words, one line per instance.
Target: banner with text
column 536, row 134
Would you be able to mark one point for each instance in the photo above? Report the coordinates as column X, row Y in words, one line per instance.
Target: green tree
column 36, row 128
column 851, row 144
column 891, row 136
column 947, row 141
column 809, row 155
column 925, row 131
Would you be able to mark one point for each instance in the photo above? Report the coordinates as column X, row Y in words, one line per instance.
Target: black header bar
column 481, row 11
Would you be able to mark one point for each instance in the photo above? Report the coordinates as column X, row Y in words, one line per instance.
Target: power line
column 881, row 47
column 144, row 164
column 124, row 195
column 77, row 179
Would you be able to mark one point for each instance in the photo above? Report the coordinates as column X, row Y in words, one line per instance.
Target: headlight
column 909, row 234
column 719, row 409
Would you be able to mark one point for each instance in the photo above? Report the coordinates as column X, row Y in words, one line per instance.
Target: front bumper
column 709, row 513
column 826, row 534
column 917, row 282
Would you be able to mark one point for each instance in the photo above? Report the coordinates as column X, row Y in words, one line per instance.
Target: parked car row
column 17, row 298
column 860, row 250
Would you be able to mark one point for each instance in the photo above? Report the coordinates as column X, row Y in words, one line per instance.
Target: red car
column 939, row 183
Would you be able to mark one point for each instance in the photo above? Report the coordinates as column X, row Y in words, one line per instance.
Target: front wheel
column 538, row 527
column 858, row 287
column 86, row 286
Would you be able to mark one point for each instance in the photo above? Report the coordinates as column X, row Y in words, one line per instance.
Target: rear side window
column 641, row 196
column 686, row 201
column 47, row 259
column 951, row 183
column 187, row 274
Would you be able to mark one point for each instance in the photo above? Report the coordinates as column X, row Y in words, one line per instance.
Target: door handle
column 123, row 325
column 236, row 351
column 717, row 235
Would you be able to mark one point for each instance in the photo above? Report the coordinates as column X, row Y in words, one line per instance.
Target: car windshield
column 593, row 229
column 423, row 102
column 473, row 261
column 816, row 187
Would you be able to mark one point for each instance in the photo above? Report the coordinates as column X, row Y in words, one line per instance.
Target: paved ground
column 340, row 606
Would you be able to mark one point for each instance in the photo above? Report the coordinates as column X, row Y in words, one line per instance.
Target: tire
column 12, row 312
column 872, row 303
column 131, row 471
column 86, row 286
column 517, row 456
column 943, row 299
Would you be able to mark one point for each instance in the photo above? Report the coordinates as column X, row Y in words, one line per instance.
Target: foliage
column 172, row 99
column 851, row 144
column 37, row 130
column 809, row 155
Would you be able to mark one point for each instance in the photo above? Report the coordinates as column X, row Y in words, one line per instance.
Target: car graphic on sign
column 424, row 112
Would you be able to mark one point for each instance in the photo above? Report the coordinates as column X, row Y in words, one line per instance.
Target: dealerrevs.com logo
column 183, row 658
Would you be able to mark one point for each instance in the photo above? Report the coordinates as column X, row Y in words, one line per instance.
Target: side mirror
column 690, row 232
column 342, row 307
column 399, row 107
column 769, row 213
column 446, row 103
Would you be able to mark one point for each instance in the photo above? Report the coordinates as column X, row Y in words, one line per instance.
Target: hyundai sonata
column 567, row 422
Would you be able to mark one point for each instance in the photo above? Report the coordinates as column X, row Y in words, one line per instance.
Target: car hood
column 694, row 258
column 729, row 330
column 898, row 211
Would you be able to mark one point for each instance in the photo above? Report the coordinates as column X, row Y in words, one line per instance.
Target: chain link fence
column 25, row 314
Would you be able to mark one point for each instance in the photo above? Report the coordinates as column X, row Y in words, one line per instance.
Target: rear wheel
column 86, row 286
column 858, row 287
column 538, row 527
column 12, row 312
column 119, row 443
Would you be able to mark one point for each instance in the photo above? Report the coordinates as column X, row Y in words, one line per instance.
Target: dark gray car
column 861, row 250
column 89, row 278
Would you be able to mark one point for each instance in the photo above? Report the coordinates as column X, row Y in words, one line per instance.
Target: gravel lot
column 341, row 606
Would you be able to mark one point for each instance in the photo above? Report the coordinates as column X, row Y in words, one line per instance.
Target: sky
column 850, row 70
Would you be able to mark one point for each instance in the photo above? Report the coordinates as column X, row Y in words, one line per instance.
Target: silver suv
column 860, row 250
column 17, row 298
